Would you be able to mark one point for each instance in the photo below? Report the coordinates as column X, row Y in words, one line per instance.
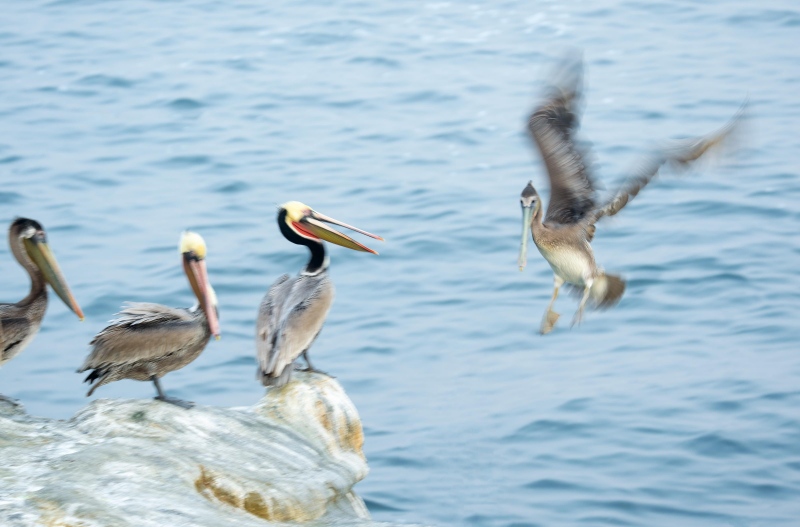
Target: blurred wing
column 143, row 331
column 679, row 154
column 553, row 126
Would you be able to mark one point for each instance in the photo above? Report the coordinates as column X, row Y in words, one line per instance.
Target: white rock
column 295, row 456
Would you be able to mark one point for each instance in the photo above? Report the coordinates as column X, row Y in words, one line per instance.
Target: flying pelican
column 292, row 312
column 147, row 341
column 565, row 235
column 20, row 322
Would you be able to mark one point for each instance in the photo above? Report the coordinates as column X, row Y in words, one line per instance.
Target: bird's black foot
column 311, row 369
column 175, row 401
column 548, row 322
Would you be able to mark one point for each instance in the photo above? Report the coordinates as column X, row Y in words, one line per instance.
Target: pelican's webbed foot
column 548, row 322
column 175, row 401
column 167, row 399
column 311, row 369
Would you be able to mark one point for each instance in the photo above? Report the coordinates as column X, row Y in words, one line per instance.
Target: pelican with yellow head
column 20, row 322
column 147, row 341
column 293, row 311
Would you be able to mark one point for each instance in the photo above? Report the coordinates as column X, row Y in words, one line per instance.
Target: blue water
column 125, row 122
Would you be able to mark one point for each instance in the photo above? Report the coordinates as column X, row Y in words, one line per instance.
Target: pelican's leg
column 167, row 399
column 312, row 369
column 550, row 316
column 587, row 288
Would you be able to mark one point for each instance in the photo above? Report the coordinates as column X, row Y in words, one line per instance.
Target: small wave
column 376, row 61
column 716, row 446
column 106, row 80
column 426, row 96
column 552, row 484
column 377, row 506
column 185, row 103
column 234, row 187
column 9, row 197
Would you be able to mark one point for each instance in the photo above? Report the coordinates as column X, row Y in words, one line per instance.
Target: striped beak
column 312, row 224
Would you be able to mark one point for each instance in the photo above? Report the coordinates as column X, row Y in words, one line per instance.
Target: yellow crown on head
column 295, row 211
column 192, row 242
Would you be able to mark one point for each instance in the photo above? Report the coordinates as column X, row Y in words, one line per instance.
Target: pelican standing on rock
column 20, row 322
column 293, row 311
column 147, row 341
column 564, row 236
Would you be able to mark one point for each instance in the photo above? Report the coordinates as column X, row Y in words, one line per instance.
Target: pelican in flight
column 20, row 322
column 293, row 311
column 564, row 236
column 147, row 341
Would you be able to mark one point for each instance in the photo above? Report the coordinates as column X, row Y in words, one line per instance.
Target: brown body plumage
column 19, row 322
column 147, row 341
column 563, row 236
column 144, row 342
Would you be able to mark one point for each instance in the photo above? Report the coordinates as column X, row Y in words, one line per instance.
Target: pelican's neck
column 319, row 259
column 536, row 221
column 37, row 280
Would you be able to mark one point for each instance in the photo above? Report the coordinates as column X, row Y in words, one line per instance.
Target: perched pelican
column 147, row 341
column 292, row 312
column 19, row 322
column 565, row 235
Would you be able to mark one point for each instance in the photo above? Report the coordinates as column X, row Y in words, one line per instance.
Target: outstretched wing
column 553, row 126
column 679, row 154
column 143, row 331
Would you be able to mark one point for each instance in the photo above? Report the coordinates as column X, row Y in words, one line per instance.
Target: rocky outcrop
column 294, row 457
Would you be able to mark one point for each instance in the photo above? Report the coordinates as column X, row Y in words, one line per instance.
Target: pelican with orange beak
column 20, row 322
column 147, row 341
column 293, row 311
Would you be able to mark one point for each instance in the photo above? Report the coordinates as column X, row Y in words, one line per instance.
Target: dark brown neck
column 37, row 280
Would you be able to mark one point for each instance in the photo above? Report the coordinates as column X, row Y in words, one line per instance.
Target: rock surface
column 294, row 457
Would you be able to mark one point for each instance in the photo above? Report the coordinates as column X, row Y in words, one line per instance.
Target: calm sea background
column 124, row 123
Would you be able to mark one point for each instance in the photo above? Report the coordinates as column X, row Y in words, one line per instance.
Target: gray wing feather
column 140, row 332
column 680, row 154
column 13, row 333
column 553, row 126
column 269, row 314
column 304, row 304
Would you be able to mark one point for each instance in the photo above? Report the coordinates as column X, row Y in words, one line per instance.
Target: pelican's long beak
column 198, row 278
column 527, row 214
column 313, row 223
column 41, row 255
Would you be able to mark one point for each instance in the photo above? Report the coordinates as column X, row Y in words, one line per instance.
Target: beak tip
column 217, row 337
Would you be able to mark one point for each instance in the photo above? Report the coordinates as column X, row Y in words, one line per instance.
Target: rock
column 295, row 456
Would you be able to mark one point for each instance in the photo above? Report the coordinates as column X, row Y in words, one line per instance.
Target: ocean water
column 124, row 123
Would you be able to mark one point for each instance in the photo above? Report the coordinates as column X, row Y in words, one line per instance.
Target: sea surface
column 123, row 123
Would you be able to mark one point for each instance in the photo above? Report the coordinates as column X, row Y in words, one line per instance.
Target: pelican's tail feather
column 607, row 290
column 280, row 380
